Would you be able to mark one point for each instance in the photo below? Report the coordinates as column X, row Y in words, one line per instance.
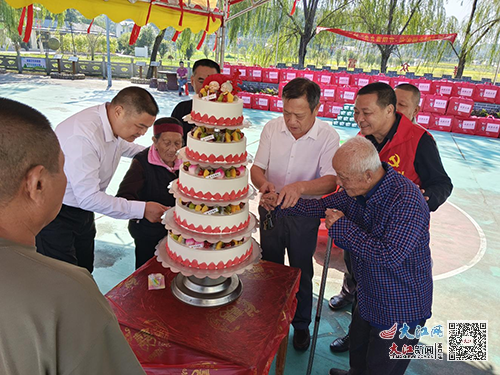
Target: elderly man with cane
column 382, row 219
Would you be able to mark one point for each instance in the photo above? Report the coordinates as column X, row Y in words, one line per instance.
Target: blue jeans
column 182, row 82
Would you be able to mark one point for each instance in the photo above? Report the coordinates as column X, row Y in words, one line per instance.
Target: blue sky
column 458, row 8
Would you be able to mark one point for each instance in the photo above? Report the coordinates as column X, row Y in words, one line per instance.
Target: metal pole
column 496, row 72
column 320, row 305
column 109, row 53
column 277, row 41
column 223, row 35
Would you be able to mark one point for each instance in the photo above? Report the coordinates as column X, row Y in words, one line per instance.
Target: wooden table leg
column 281, row 356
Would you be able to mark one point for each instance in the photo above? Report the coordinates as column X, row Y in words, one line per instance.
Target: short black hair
column 136, row 99
column 208, row 63
column 385, row 93
column 26, row 140
column 181, row 62
column 300, row 87
column 410, row 88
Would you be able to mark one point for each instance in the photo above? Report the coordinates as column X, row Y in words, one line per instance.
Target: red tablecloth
column 171, row 337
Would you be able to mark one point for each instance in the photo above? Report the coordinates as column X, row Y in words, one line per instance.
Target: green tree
column 206, row 50
column 93, row 43
column 482, row 25
column 123, row 44
column 146, row 37
column 186, row 44
column 9, row 17
column 289, row 34
column 399, row 17
column 154, row 51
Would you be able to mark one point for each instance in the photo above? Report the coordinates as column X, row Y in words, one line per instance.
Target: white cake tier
column 208, row 259
column 217, row 113
column 214, row 152
column 211, row 224
column 215, row 190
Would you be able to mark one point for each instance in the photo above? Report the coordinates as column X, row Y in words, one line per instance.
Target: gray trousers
column 299, row 236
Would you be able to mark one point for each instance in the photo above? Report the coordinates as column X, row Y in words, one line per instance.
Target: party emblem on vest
column 394, row 161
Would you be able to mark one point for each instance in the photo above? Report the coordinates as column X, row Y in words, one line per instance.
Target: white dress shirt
column 92, row 154
column 287, row 160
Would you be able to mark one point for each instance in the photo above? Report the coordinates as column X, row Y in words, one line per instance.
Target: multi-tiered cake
column 211, row 224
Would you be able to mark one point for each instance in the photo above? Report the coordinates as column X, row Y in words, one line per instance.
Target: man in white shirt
column 93, row 141
column 294, row 159
column 53, row 320
column 408, row 100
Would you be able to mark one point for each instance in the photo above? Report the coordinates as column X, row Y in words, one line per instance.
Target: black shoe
column 180, row 94
column 339, row 301
column 340, row 345
column 301, row 339
column 336, row 371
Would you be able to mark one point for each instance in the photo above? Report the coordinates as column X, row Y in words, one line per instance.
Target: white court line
column 479, row 255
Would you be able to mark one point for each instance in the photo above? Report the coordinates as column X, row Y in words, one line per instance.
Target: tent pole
column 223, row 33
column 109, row 53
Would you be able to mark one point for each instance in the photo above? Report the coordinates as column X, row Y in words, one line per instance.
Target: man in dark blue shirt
column 382, row 219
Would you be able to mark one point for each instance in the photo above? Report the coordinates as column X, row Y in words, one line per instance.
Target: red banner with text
column 389, row 39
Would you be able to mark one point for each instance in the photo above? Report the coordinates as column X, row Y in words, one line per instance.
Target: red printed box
column 424, row 86
column 361, row 80
column 435, row 104
column 226, row 69
column 442, row 123
column 444, row 88
column 260, row 101
column 287, row 74
column 465, row 125
column 247, row 99
column 423, row 99
column 488, row 127
column 276, row 104
column 341, row 79
column 460, row 107
column 309, row 74
column 280, row 88
column 486, row 93
column 242, row 69
column 395, row 81
column 323, row 78
column 464, row 89
column 346, row 94
column 321, row 111
column 332, row 109
column 328, row 92
column 270, row 75
column 255, row 74
column 425, row 119
column 382, row 78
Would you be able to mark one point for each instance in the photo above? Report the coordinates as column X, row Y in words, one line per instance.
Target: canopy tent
column 197, row 15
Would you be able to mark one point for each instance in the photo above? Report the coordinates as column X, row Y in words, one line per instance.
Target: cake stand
column 206, row 288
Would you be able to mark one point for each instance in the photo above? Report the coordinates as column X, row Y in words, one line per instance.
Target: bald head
column 358, row 166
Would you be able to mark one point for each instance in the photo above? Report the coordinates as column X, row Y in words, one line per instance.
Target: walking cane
column 320, row 305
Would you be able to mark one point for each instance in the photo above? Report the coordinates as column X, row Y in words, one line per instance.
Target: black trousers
column 299, row 235
column 349, row 283
column 69, row 237
column 369, row 353
column 146, row 236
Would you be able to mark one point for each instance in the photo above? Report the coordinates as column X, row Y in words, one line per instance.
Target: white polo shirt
column 92, row 154
column 287, row 160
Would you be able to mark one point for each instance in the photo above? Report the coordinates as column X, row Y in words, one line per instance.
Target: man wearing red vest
column 404, row 145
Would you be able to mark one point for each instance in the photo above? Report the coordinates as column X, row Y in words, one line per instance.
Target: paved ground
column 465, row 241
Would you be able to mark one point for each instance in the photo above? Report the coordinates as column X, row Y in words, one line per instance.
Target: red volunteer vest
column 400, row 151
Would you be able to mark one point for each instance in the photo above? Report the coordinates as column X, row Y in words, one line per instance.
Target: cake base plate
column 206, row 292
column 167, row 262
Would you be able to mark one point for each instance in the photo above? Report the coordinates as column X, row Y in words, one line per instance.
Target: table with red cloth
column 171, row 337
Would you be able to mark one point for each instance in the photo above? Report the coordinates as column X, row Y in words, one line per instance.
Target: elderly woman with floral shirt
column 147, row 179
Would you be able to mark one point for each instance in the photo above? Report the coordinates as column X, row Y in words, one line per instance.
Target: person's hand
column 154, row 211
column 268, row 201
column 425, row 196
column 267, row 187
column 290, row 194
column 331, row 216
